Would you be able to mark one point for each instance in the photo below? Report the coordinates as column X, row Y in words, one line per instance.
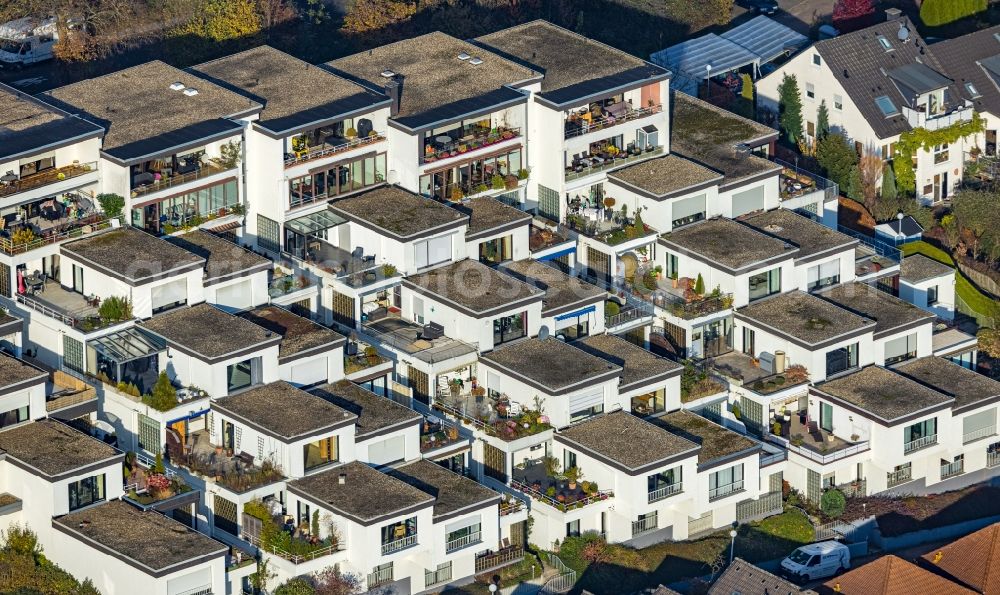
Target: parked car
column 768, row 7
column 816, row 560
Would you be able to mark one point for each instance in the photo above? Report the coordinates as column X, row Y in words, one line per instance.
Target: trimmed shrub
column 833, row 503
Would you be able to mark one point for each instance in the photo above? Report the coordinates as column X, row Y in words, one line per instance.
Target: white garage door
column 237, row 296
column 309, row 372
column 386, row 451
column 748, row 201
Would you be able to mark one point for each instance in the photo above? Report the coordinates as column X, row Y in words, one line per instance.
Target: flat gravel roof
column 561, row 290
column 400, row 212
column 367, row 495
column 716, row 441
column 284, row 411
column 473, row 286
column 627, row 440
column 807, row 235
column 727, row 242
column 223, row 258
column 917, row 267
column 883, row 393
column 551, row 363
column 209, row 332
column 805, row 317
column 888, row 312
column 298, row 334
column 452, row 492
column 671, row 174
column 487, row 213
column 638, row 364
column 132, row 254
column 53, row 447
column 14, row 371
column 374, row 413
column 966, row 386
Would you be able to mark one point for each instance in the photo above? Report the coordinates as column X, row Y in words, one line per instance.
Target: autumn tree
column 989, row 341
column 935, row 13
column 870, row 167
column 372, row 15
column 848, row 10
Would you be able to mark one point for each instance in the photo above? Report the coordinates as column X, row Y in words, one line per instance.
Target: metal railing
column 504, row 557
column 325, row 149
column 830, row 189
column 511, row 506
column 819, row 457
column 481, row 139
column 665, row 492
column 977, row 434
column 46, row 310
column 7, row 245
column 563, row 506
column 923, row 442
column 650, row 523
column 431, row 355
column 49, row 176
column 952, row 469
column 586, row 127
column 878, row 246
column 562, row 582
column 465, row 540
column 379, row 577
column 627, row 314
column 992, row 459
column 624, row 159
column 726, row 490
column 204, row 171
column 399, row 544
column 772, row 459
column 894, row 478
column 855, row 489
column 296, row 558
column 433, row 577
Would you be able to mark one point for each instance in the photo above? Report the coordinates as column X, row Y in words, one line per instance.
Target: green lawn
column 624, row 570
column 963, row 287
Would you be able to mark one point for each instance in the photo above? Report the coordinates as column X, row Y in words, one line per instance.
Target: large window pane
column 321, row 452
column 86, row 492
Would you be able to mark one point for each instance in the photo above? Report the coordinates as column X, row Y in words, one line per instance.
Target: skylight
column 886, row 105
column 885, row 43
column 972, row 90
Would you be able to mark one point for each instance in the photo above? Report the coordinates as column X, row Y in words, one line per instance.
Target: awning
column 314, row 223
column 188, row 417
column 126, row 345
column 766, row 38
column 576, row 313
column 690, row 58
column 556, row 255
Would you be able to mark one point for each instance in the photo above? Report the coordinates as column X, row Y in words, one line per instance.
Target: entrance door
column 228, row 435
column 748, row 341
column 151, row 215
column 50, row 266
column 78, row 279
column 944, row 186
column 937, row 187
column 826, row 417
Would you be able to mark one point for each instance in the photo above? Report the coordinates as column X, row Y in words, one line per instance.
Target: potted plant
column 855, row 437
column 351, row 134
column 573, row 474
column 736, row 410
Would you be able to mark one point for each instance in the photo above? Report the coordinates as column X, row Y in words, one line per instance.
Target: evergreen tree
column 164, row 395
column 855, row 189
column 836, row 155
column 889, row 191
column 822, row 120
column 699, row 285
column 790, row 109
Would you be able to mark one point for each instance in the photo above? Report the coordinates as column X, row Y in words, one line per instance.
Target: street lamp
column 732, row 545
column 899, row 229
column 708, row 81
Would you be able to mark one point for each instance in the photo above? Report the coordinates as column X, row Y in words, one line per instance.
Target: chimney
column 892, row 14
column 393, row 89
column 342, row 478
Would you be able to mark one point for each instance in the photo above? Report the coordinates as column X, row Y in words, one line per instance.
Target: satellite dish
column 543, row 333
column 904, row 33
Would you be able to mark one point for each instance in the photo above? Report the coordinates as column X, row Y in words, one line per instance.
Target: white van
column 816, row 560
column 26, row 41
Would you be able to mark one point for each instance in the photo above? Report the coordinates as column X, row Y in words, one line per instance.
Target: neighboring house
column 879, row 83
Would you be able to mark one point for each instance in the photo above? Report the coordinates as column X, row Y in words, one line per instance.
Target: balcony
column 381, row 576
column 473, row 138
column 396, row 545
column 282, row 284
column 952, row 469
column 438, row 434
column 47, row 177
column 490, row 561
column 871, row 255
column 51, row 221
column 407, row 337
column 920, row 119
column 237, row 472
column 360, row 356
column 992, row 458
column 464, row 541
column 798, row 185
column 606, row 117
column 895, row 478
column 595, row 164
column 979, row 434
column 665, row 492
column 535, row 480
column 68, row 307
column 725, row 491
column 327, row 149
column 68, row 392
column 742, row 368
column 148, row 182
column 511, row 505
column 608, row 229
column 497, row 416
column 645, row 525
column 919, row 443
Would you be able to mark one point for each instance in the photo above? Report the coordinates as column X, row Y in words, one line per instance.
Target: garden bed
column 899, row 515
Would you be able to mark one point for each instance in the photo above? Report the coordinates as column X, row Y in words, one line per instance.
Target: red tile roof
column 891, row 575
column 973, row 560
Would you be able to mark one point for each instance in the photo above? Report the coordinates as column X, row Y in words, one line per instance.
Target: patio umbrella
column 20, row 282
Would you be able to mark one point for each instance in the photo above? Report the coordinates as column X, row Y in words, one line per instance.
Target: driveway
column 801, row 14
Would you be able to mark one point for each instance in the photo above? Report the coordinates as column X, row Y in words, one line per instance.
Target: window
column 838, row 102
column 85, row 492
column 963, row 359
column 463, row 537
column 431, row 252
column 971, row 89
column 510, row 328
column 149, row 434
column 901, row 349
column 810, row 128
column 577, row 328
column 338, row 179
column 817, row 61
column 687, row 210
column 649, row 403
column 886, row 45
column 587, row 413
column 268, row 234
column 810, row 91
column 841, row 359
column 14, row 416
column 467, row 178
column 399, row 535
column 496, row 250
column 725, row 482
column 886, row 105
column 826, row 416
column 321, row 452
column 573, row 528
column 940, row 153
column 765, row 284
column 441, row 575
column 932, row 295
column 823, row 275
column 919, row 435
column 241, row 375
column 673, row 270
column 663, row 484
